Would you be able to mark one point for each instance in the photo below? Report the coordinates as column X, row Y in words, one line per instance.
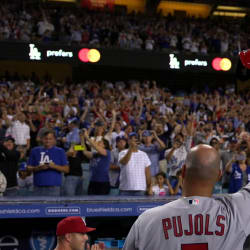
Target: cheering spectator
column 24, row 180
column 49, row 125
column 34, row 123
column 99, row 165
column 239, row 170
column 135, row 176
column 73, row 180
column 9, row 157
column 19, row 130
column 176, row 183
column 161, row 189
column 114, row 172
column 117, row 132
column 73, row 136
column 153, row 150
column 176, row 155
column 226, row 156
column 48, row 162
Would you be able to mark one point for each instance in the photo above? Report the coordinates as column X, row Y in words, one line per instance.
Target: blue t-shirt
column 42, row 155
column 236, row 179
column 153, row 153
column 99, row 166
column 174, row 183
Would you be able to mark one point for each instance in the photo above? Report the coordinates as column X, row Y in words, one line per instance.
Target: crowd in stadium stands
column 123, row 138
column 133, row 31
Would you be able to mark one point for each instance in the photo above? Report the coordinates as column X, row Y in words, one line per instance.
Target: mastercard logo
column 221, row 64
column 89, row 55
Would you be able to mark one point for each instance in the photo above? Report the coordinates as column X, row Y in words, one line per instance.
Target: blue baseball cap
column 99, row 124
column 147, row 133
column 22, row 166
column 132, row 134
column 118, row 138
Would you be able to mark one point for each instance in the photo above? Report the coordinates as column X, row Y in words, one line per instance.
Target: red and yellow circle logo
column 221, row 64
column 89, row 55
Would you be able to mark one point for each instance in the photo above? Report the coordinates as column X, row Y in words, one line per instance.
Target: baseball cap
column 99, row 124
column 118, row 138
column 9, row 138
column 22, row 166
column 72, row 224
column 146, row 133
column 132, row 134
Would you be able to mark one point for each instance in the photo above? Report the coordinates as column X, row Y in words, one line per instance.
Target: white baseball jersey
column 194, row 223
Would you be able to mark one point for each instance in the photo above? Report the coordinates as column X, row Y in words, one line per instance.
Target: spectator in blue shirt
column 99, row 165
column 239, row 170
column 48, row 162
column 73, row 137
column 152, row 149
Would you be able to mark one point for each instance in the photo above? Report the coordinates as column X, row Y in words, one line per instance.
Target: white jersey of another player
column 194, row 223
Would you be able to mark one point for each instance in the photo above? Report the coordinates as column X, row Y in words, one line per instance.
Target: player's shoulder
column 184, row 203
column 157, row 211
column 239, row 198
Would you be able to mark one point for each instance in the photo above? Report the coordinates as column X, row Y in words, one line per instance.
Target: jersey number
column 196, row 246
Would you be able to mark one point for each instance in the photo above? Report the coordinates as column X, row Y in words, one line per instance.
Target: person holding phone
column 135, row 176
column 176, row 155
column 152, row 145
column 73, row 180
column 100, row 158
column 239, row 170
column 48, row 162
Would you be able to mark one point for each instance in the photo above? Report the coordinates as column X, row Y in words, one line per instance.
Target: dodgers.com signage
column 86, row 210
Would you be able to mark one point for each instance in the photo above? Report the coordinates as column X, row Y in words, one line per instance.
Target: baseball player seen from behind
column 196, row 221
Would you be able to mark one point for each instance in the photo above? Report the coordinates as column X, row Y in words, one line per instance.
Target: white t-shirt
column 132, row 175
column 179, row 156
column 20, row 132
column 160, row 191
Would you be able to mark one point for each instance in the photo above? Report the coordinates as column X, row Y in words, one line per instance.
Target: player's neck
column 196, row 190
column 62, row 247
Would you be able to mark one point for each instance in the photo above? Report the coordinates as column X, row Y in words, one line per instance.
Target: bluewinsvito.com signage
column 63, row 210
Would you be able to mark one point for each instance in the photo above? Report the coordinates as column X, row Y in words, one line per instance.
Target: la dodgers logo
column 44, row 158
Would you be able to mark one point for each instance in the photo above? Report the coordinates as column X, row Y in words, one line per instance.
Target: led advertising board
column 134, row 59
